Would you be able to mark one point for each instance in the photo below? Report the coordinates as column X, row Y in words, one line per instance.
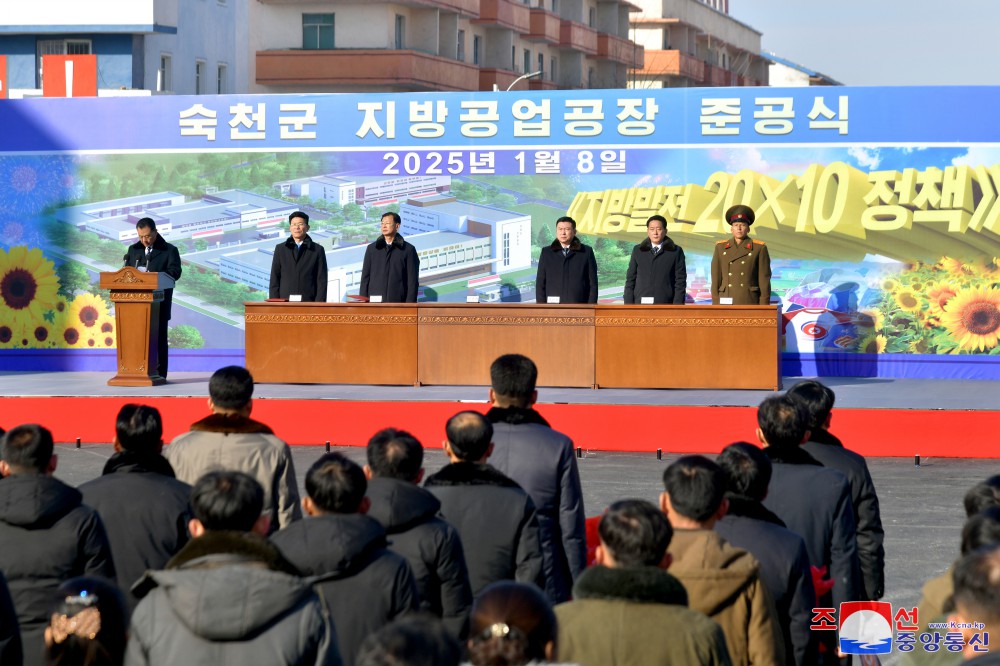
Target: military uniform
column 741, row 272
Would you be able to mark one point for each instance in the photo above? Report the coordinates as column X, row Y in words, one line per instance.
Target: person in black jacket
column 391, row 266
column 299, row 264
column 828, row 450
column 784, row 563
column 656, row 270
column 48, row 535
column 156, row 255
column 151, row 526
column 494, row 517
column 365, row 585
column 409, row 514
column 10, row 632
column 567, row 269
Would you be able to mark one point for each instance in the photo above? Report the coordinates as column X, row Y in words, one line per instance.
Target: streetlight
column 532, row 75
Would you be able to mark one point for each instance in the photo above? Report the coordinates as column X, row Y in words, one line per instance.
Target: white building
column 363, row 190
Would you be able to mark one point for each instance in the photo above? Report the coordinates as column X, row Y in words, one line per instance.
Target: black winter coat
column 164, row 258
column 828, row 450
column 542, row 461
column 496, row 521
column 10, row 632
column 48, row 536
column 364, row 585
column 431, row 546
column 662, row 276
column 573, row 278
column 390, row 272
column 145, row 512
column 304, row 274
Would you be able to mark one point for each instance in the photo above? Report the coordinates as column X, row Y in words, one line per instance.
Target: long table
column 611, row 346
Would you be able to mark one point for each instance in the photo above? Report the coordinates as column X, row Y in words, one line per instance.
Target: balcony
column 577, row 36
column 619, row 50
column 502, row 78
column 545, row 27
column 665, row 64
column 542, row 84
column 463, row 7
column 401, row 70
column 512, row 15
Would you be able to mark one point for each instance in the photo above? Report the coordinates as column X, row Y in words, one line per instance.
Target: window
column 590, row 77
column 666, row 40
column 513, row 58
column 461, row 46
column 199, row 77
column 59, row 47
column 552, row 68
column 163, row 76
column 317, row 31
column 400, row 31
column 592, row 17
column 527, row 61
column 505, row 253
column 476, row 46
column 541, row 65
column 221, row 87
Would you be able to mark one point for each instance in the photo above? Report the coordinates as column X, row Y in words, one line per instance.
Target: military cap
column 740, row 213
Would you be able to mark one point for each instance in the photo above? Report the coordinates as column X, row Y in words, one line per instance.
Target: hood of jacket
column 470, row 474
column 745, row 507
column 307, row 242
column 575, row 245
column 35, row 500
column 713, row 572
column 400, row 505
column 331, row 545
column 515, row 416
column 790, row 455
column 130, row 462
column 231, row 423
column 634, row 584
column 397, row 242
column 647, row 245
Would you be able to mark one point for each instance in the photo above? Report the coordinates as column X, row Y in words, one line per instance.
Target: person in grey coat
column 228, row 596
column 542, row 461
column 391, row 265
column 298, row 267
column 567, row 269
column 656, row 269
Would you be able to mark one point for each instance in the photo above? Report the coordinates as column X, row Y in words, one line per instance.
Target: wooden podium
column 137, row 296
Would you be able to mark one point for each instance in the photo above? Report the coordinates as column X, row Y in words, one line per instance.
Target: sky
column 882, row 42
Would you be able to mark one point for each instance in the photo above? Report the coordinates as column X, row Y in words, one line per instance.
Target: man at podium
column 155, row 255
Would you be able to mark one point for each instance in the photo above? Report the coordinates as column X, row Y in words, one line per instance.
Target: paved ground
column 921, row 506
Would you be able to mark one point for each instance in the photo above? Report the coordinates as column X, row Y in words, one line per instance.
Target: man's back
column 542, row 462
column 48, row 537
column 241, row 444
column 496, row 520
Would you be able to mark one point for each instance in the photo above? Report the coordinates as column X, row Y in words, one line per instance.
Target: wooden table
column 620, row 346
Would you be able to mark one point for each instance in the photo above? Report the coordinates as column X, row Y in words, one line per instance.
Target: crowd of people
column 205, row 552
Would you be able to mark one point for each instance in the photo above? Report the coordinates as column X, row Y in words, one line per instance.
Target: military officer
column 741, row 267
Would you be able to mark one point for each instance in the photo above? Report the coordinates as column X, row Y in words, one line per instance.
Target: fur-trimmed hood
column 575, row 245
column 647, row 245
column 397, row 242
column 515, row 416
column 127, row 462
column 231, row 423
column 470, row 474
column 634, row 584
column 790, row 455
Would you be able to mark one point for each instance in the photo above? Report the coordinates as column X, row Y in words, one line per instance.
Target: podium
column 137, row 297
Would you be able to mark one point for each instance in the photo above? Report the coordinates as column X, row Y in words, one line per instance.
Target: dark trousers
column 161, row 363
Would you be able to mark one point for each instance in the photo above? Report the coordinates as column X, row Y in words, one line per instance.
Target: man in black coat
column 542, row 461
column 391, row 266
column 365, row 585
column 299, row 264
column 145, row 510
column 828, row 450
column 657, row 273
column 567, row 269
column 784, row 563
column 409, row 514
column 156, row 256
column 494, row 517
column 48, row 535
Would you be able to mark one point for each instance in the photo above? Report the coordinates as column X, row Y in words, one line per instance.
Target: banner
column 879, row 206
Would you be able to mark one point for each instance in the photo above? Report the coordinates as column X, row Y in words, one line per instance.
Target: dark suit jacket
column 664, row 276
column 164, row 258
column 390, row 272
column 572, row 278
column 305, row 275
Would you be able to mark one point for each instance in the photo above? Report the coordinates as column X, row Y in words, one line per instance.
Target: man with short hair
column 148, row 528
column 47, row 534
column 977, row 601
column 391, row 267
column 722, row 581
column 230, row 439
column 298, row 266
column 542, row 461
column 228, row 596
column 567, row 269
column 155, row 255
column 493, row 515
column 364, row 585
column 784, row 563
column 628, row 609
column 657, row 272
column 825, row 447
column 409, row 515
column 413, row 640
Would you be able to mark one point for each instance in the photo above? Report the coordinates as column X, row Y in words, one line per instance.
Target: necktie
column 565, row 251
column 148, row 250
column 656, row 250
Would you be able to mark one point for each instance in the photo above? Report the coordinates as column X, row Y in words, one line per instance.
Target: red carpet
column 674, row 429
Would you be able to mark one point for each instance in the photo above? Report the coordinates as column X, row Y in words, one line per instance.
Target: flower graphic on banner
column 972, row 317
column 28, row 286
column 87, row 311
column 873, row 344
